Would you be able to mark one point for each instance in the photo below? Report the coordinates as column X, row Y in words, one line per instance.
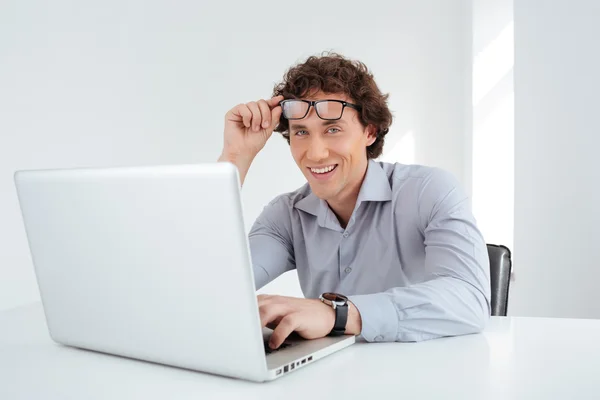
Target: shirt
column 411, row 258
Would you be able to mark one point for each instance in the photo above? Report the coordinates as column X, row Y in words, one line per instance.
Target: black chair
column 500, row 270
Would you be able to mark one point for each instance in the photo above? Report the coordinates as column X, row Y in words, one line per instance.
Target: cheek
column 342, row 147
column 349, row 147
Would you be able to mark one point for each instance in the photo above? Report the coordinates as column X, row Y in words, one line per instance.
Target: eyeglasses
column 326, row 109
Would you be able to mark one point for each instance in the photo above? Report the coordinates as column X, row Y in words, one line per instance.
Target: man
column 398, row 240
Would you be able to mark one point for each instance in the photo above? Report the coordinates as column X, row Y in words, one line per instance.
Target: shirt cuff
column 378, row 315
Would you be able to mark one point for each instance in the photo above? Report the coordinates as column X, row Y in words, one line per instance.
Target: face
column 331, row 154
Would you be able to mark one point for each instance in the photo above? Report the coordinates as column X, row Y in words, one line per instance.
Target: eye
column 301, row 133
column 333, row 130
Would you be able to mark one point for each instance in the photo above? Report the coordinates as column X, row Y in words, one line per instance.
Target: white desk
column 516, row 358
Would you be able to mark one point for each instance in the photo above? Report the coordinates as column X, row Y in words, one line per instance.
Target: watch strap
column 341, row 317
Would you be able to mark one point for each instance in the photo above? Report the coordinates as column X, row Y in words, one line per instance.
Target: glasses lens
column 329, row 109
column 293, row 109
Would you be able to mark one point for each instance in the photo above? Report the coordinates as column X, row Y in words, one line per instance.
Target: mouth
column 323, row 172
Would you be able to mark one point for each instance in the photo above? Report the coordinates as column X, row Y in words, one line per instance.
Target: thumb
column 274, row 101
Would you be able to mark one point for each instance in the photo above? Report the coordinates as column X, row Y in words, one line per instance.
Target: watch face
column 334, row 297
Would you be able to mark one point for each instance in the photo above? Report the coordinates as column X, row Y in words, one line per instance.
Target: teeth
column 322, row 170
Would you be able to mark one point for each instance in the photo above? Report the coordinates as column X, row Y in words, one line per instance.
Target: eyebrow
column 324, row 123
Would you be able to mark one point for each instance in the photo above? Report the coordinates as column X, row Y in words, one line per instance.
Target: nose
column 317, row 149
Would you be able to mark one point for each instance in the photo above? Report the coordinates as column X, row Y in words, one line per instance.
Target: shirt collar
column 375, row 187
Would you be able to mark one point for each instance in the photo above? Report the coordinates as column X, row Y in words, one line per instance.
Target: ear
column 371, row 132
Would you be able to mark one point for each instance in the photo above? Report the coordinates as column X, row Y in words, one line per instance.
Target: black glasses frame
column 314, row 103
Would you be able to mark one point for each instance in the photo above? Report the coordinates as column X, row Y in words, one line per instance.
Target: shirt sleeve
column 454, row 299
column 270, row 242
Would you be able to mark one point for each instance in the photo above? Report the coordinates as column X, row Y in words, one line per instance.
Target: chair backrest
column 500, row 270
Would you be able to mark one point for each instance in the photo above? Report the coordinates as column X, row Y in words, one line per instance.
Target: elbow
column 480, row 322
column 479, row 312
column 470, row 320
column 471, row 310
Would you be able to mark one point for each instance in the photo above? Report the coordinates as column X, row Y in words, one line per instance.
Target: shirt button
column 379, row 338
column 345, row 234
column 348, row 270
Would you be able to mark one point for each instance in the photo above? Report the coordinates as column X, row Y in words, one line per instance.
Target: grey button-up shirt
column 411, row 258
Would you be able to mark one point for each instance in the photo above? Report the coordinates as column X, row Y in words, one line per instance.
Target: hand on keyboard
column 269, row 350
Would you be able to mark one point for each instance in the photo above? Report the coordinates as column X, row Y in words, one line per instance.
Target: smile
column 323, row 170
column 323, row 173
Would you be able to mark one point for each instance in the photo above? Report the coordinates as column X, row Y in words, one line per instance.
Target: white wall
column 493, row 119
column 104, row 83
column 557, row 172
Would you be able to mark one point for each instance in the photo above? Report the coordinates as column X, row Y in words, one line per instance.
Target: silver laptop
column 153, row 263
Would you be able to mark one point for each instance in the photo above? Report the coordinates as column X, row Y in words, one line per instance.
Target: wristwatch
column 339, row 303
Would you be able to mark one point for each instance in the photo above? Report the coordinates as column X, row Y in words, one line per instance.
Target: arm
column 240, row 161
column 455, row 297
column 273, row 254
column 270, row 242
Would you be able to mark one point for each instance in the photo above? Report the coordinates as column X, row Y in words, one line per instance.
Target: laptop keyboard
column 269, row 350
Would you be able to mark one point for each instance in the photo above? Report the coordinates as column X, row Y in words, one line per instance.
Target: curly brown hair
column 334, row 73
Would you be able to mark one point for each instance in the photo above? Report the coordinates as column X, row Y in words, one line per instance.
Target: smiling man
column 390, row 252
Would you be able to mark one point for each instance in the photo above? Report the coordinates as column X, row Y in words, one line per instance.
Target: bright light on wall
column 402, row 151
column 493, row 138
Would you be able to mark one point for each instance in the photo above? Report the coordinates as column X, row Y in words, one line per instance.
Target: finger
column 265, row 113
column 256, row 117
column 263, row 299
column 274, row 101
column 244, row 113
column 287, row 325
column 270, row 313
column 275, row 116
column 268, row 298
column 273, row 324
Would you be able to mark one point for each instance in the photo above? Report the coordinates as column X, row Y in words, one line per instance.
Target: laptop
column 153, row 263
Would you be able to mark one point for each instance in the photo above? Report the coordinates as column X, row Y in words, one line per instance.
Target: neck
column 343, row 205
